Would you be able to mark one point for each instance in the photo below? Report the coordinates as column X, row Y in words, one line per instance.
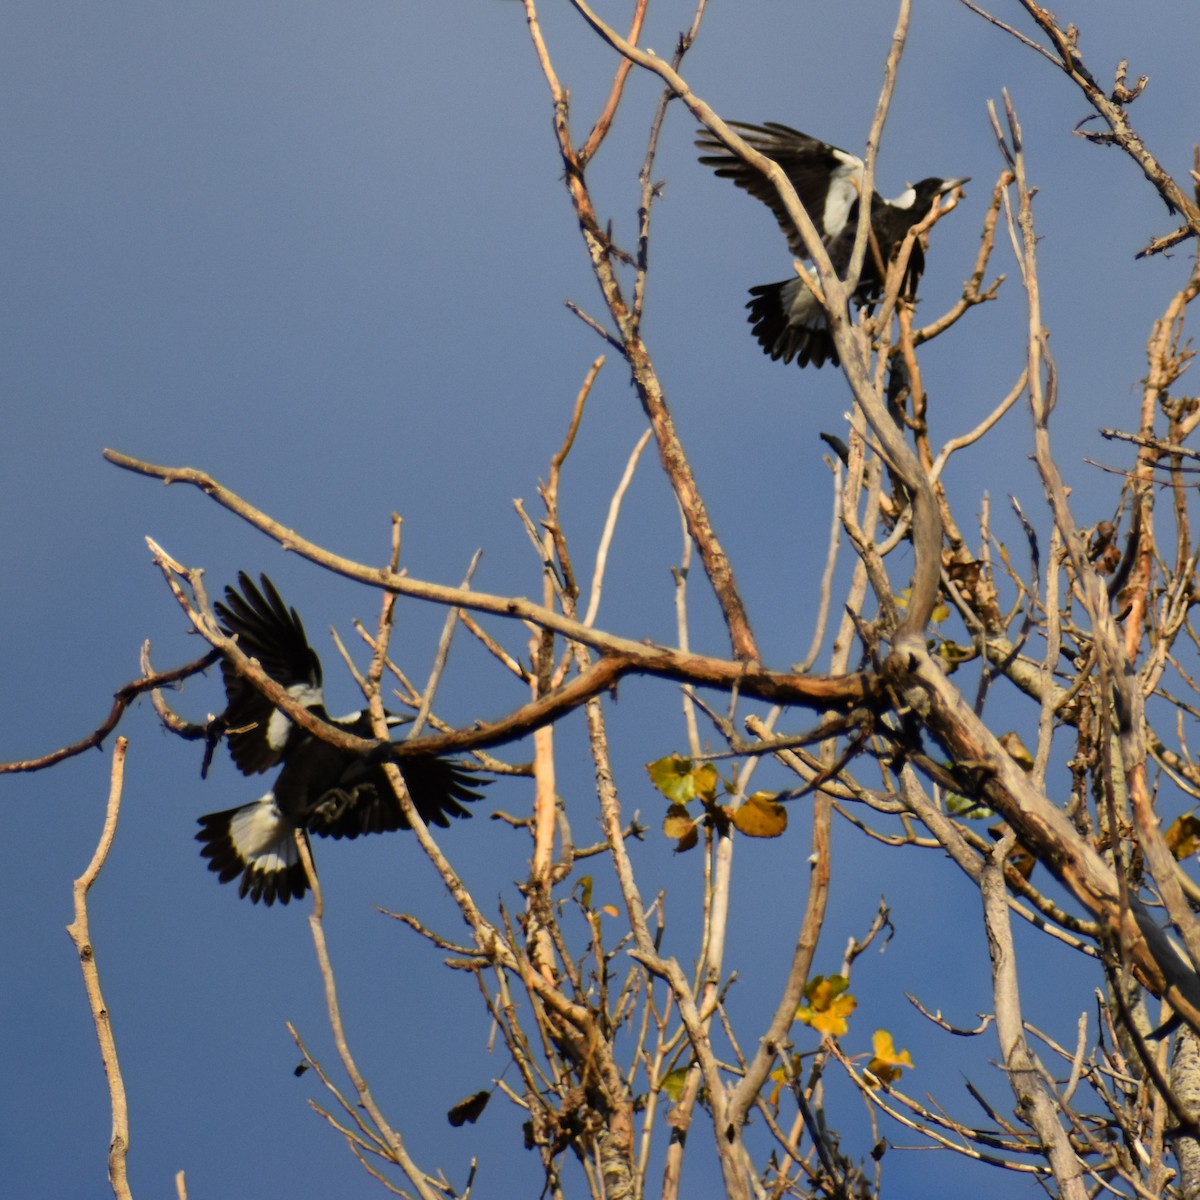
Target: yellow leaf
column 780, row 1075
column 1183, row 837
column 827, row 1005
column 680, row 826
column 888, row 1062
column 610, row 910
column 706, row 778
column 678, row 822
column 681, row 780
column 1016, row 750
column 761, row 816
column 584, row 884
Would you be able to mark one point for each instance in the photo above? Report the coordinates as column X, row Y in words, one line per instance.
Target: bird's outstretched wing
column 266, row 629
column 438, row 788
column 827, row 180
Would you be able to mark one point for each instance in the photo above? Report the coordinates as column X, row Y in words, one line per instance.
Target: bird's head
column 928, row 190
column 918, row 198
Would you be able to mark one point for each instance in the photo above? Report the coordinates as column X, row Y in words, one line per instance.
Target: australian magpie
column 320, row 788
column 788, row 320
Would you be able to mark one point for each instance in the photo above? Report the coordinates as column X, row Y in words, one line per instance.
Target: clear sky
column 321, row 251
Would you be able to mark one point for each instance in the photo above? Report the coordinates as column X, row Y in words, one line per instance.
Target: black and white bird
column 788, row 320
column 320, row 788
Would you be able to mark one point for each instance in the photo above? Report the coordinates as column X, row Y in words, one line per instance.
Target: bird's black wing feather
column 266, row 629
column 827, row 180
column 439, row 789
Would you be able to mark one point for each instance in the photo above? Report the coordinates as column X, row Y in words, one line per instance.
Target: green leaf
column 951, row 653
column 681, row 780
column 965, row 808
column 672, row 1083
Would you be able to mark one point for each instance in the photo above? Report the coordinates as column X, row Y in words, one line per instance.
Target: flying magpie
column 787, row 318
column 320, row 788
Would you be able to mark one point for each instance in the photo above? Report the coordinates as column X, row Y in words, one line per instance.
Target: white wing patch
column 279, row 726
column 845, row 184
column 262, row 836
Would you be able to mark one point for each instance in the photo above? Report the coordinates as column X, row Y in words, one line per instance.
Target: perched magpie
column 320, row 788
column 788, row 320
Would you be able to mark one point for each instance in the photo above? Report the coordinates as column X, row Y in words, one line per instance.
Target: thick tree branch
column 621, row 655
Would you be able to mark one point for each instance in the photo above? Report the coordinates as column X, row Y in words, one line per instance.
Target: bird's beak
column 951, row 184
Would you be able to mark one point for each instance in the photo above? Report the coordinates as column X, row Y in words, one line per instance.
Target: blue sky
column 321, row 251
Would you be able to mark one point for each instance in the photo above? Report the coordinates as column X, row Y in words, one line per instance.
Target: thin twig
column 610, row 524
column 394, row 1142
column 122, row 699
column 80, row 931
column 443, row 652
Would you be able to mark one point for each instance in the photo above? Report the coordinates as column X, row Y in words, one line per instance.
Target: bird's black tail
column 789, row 322
column 258, row 843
